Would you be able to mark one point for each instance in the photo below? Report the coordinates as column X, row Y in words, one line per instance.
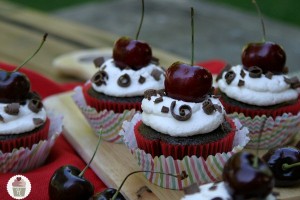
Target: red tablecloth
column 62, row 153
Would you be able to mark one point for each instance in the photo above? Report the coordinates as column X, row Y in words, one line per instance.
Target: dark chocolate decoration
column 294, row 82
column 149, row 93
column 161, row 92
column 155, row 60
column 35, row 105
column 124, row 80
column 213, row 187
column 241, row 83
column 285, row 70
column 142, row 79
column 12, row 109
column 185, row 112
column 229, row 77
column 1, row 118
column 191, row 189
column 164, row 109
column 156, row 74
column 34, row 95
column 98, row 61
column 38, row 121
column 100, row 78
column 208, row 107
column 226, row 68
column 255, row 72
column 218, row 108
column 242, row 73
column 158, row 100
column 182, row 176
column 269, row 75
column 217, row 198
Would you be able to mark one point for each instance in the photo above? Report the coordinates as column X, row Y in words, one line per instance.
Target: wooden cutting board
column 114, row 161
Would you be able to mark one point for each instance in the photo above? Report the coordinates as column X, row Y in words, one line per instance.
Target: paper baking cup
column 25, row 159
column 106, row 120
column 274, row 132
column 198, row 169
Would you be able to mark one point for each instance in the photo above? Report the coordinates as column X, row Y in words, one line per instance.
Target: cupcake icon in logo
column 18, row 187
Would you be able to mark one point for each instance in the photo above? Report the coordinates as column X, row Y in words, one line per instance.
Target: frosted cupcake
column 19, row 187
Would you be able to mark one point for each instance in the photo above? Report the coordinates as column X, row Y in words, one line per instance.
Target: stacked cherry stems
column 285, row 165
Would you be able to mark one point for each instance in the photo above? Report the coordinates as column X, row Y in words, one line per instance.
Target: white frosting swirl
column 20, row 123
column 135, row 88
column 257, row 91
column 199, row 123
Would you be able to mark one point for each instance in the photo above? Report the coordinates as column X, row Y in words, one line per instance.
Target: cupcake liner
column 199, row 170
column 157, row 147
column 25, row 140
column 25, row 159
column 274, row 132
column 99, row 105
column 107, row 120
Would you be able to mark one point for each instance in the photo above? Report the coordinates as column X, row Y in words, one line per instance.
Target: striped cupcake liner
column 198, row 169
column 274, row 132
column 25, row 159
column 107, row 120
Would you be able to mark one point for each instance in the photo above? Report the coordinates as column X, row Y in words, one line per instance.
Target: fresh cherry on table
column 247, row 176
column 187, row 83
column 268, row 56
column 108, row 194
column 280, row 161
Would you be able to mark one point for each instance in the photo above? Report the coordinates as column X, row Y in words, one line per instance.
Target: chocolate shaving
column 183, row 116
column 218, row 108
column 142, row 79
column 192, row 189
column 213, row 187
column 38, row 121
column 229, row 77
column 35, row 105
column 158, row 100
column 1, row 118
column 124, row 80
column 242, row 73
column 269, row 75
column 255, row 72
column 285, row 70
column 161, row 92
column 294, row 82
column 155, row 60
column 12, row 109
column 164, row 109
column 98, row 61
column 226, row 68
column 208, row 107
column 156, row 74
column 149, row 93
column 241, row 83
column 100, row 78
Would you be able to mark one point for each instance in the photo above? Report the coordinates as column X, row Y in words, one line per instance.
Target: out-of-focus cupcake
column 262, row 95
column 183, row 128
column 115, row 92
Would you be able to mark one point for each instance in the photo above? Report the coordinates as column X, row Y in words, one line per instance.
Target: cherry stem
column 193, row 43
column 286, row 166
column 28, row 59
column 87, row 166
column 261, row 20
column 117, row 192
column 141, row 22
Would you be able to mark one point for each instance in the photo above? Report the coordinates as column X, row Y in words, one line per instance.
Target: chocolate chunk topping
column 192, row 189
column 149, row 93
column 241, row 83
column 100, row 78
column 182, row 176
column 255, row 72
column 158, row 100
column 294, row 81
column 142, row 79
column 285, row 70
column 164, row 109
column 242, row 73
column 208, row 107
column 124, row 80
column 217, row 198
column 155, row 60
column 156, row 74
column 229, row 77
column 213, row 187
column 161, row 92
column 226, row 68
column 35, row 105
column 98, row 61
column 37, row 121
column 185, row 112
column 269, row 75
column 12, row 109
column 1, row 118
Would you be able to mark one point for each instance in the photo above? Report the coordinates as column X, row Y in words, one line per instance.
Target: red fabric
column 61, row 154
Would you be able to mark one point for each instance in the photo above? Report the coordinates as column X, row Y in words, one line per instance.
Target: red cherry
column 266, row 55
column 187, row 83
column 131, row 53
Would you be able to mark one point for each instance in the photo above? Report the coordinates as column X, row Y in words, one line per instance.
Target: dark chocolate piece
column 142, row 79
column 218, row 108
column 226, row 68
column 192, row 189
column 156, row 74
column 269, row 75
column 149, row 93
column 213, row 187
column 35, row 105
column 183, row 116
column 294, row 82
column 182, row 176
column 208, row 107
column 12, row 109
column 242, row 73
column 241, row 83
column 161, row 92
column 229, row 77
column 1, row 118
column 100, row 78
column 98, row 61
column 255, row 72
column 158, row 100
column 164, row 109
column 38, row 121
column 155, row 60
column 217, row 198
column 124, row 80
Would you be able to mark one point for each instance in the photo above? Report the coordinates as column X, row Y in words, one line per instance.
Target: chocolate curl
column 255, row 72
column 142, row 79
column 149, row 93
column 229, row 77
column 161, row 92
column 12, row 109
column 124, row 80
column 208, row 107
column 100, row 78
column 183, row 116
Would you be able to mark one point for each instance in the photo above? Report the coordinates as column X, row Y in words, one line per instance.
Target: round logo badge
column 18, row 187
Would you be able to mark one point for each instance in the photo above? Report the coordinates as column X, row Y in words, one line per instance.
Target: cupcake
column 183, row 128
column 115, row 92
column 19, row 187
column 262, row 95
